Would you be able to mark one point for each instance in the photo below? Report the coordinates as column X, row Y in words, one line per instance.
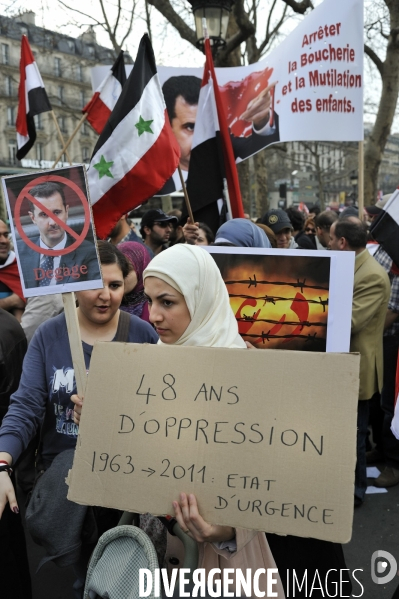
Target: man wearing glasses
column 155, row 229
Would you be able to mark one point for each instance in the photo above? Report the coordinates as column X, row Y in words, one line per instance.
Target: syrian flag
column 32, row 99
column 385, row 229
column 212, row 157
column 101, row 105
column 137, row 152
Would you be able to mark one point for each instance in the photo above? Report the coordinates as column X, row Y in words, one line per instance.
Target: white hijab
column 192, row 272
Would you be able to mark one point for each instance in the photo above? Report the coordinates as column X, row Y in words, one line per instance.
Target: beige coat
column 252, row 552
column 370, row 301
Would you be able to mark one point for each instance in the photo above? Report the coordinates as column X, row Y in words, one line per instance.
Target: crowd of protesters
column 161, row 260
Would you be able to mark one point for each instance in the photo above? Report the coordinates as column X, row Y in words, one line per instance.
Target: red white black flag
column 212, row 157
column 137, row 152
column 106, row 95
column 32, row 99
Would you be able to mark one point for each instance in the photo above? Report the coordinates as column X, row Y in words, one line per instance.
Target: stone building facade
column 64, row 63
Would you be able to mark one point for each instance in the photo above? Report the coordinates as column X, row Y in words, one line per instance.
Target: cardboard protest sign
column 51, row 225
column 266, row 440
column 289, row 299
column 315, row 78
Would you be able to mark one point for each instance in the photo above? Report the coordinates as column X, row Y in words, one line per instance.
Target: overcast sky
column 169, row 48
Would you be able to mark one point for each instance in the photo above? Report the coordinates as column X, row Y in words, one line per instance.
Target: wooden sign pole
column 360, row 180
column 188, row 205
column 68, row 143
column 61, row 137
column 75, row 342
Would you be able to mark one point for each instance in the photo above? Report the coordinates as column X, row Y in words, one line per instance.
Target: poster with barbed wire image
column 289, row 299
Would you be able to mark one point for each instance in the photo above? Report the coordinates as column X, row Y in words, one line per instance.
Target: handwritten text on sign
column 244, row 430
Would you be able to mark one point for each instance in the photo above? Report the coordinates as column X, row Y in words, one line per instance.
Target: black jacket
column 13, row 346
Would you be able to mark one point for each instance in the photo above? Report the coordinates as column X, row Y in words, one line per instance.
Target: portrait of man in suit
column 181, row 95
column 40, row 269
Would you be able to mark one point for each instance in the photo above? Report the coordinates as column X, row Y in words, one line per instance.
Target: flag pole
column 60, row 136
column 188, row 205
column 360, row 180
column 75, row 341
column 68, row 143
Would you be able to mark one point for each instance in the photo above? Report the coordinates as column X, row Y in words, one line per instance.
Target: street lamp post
column 353, row 179
column 216, row 13
column 293, row 174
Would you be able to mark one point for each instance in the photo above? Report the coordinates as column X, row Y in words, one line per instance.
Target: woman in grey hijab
column 242, row 232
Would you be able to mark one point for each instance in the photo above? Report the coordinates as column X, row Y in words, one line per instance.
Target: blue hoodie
column 46, row 386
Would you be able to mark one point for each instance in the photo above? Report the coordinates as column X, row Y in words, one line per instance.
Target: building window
column 10, row 115
column 8, row 86
column 82, row 98
column 90, row 50
column 79, row 72
column 38, row 119
column 62, row 124
column 57, row 67
column 24, row 30
column 60, row 93
column 39, row 151
column 5, row 53
column 85, row 128
column 86, row 155
column 71, row 46
column 12, row 152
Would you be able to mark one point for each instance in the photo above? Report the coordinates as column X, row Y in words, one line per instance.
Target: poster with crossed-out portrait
column 53, row 235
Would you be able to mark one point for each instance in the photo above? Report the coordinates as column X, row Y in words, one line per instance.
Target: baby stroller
column 113, row 571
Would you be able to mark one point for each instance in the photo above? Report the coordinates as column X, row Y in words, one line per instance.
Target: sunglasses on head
column 163, row 223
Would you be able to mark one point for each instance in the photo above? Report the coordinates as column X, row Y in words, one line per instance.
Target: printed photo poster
column 289, row 300
column 310, row 87
column 52, row 229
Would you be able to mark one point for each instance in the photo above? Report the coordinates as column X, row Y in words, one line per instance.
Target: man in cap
column 156, row 228
column 281, row 226
column 371, row 292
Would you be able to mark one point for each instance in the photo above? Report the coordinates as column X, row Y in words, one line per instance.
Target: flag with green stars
column 136, row 152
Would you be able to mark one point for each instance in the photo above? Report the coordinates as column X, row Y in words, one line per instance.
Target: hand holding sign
column 191, row 522
column 77, row 411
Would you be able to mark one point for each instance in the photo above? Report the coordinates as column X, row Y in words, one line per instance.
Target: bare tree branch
column 108, row 28
column 375, row 58
column 299, row 7
column 274, row 32
column 167, row 10
column 81, row 13
column 246, row 29
column 130, row 26
column 148, row 18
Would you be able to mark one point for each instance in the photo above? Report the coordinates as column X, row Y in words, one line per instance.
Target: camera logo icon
column 383, row 567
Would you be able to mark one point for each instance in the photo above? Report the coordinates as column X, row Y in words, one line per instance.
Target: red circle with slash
column 25, row 194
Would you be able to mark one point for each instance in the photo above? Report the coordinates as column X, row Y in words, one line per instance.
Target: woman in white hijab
column 189, row 305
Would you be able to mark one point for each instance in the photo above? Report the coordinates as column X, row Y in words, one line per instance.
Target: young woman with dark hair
column 43, row 398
